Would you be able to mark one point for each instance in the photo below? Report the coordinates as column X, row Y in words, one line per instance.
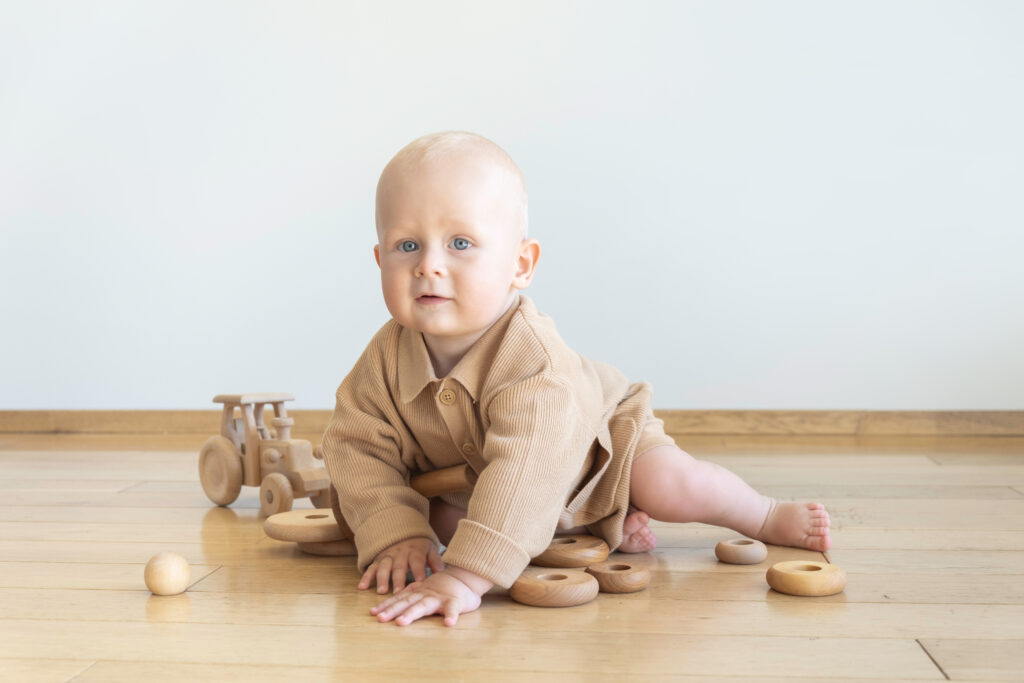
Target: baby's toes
column 819, row 543
column 647, row 540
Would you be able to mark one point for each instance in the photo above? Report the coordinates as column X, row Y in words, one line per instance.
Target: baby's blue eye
column 460, row 243
column 407, row 245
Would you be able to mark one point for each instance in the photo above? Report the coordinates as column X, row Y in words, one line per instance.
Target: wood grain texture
column 356, row 651
column 840, row 422
column 310, row 424
column 546, row 587
column 573, row 551
column 977, row 660
column 929, row 530
column 620, row 576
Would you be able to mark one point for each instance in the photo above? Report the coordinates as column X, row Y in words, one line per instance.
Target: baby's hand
column 394, row 563
column 451, row 593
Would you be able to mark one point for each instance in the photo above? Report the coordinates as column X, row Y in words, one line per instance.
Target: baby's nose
column 431, row 263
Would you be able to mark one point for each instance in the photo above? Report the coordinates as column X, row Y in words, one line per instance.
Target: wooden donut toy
column 447, row 480
column 346, row 531
column 428, row 485
column 546, row 588
column 741, row 551
column 573, row 551
column 801, row 577
column 346, row 547
column 324, row 531
column 303, row 526
column 619, row 577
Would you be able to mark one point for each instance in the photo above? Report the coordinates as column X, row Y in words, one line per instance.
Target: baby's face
column 450, row 239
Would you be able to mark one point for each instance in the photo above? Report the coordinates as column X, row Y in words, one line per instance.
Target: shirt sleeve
column 534, row 448
column 363, row 453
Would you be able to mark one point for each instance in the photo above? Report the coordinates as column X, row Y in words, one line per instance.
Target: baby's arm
column 451, row 592
column 365, row 451
column 394, row 563
column 514, row 509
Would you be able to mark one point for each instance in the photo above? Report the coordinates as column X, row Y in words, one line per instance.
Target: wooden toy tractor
column 248, row 453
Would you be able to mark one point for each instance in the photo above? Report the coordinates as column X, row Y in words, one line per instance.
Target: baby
column 468, row 371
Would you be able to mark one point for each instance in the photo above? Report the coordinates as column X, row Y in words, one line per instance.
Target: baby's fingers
column 368, row 576
column 385, row 572
column 398, row 576
column 418, row 567
column 434, row 561
column 397, row 605
column 426, row 606
column 451, row 613
column 394, row 605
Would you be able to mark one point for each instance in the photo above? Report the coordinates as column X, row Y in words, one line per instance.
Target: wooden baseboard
column 311, row 423
column 845, row 422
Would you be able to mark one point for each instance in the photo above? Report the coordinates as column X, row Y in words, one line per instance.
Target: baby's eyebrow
column 393, row 231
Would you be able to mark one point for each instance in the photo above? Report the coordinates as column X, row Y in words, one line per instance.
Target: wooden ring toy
column 546, row 588
column 741, row 551
column 346, row 531
column 573, row 551
column 303, row 526
column 343, row 548
column 443, row 481
column 812, row 579
column 619, row 577
column 436, row 483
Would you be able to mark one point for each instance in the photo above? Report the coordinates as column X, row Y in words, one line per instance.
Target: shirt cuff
column 487, row 553
column 387, row 528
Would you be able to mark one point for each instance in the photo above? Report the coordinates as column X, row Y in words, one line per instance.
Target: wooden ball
column 167, row 574
column 741, row 551
column 573, row 551
column 812, row 579
column 303, row 526
column 560, row 588
column 620, row 577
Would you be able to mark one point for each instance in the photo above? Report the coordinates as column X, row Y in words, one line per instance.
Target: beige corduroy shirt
column 550, row 434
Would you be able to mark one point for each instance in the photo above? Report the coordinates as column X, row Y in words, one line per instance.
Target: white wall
column 750, row 204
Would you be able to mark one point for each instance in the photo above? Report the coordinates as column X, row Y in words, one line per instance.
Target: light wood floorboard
column 929, row 530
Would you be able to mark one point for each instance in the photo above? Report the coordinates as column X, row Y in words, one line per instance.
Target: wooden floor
column 930, row 531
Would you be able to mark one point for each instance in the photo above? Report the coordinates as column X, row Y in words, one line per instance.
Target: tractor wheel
column 276, row 494
column 220, row 470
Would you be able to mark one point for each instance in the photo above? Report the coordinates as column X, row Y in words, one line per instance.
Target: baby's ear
column 376, row 254
column 526, row 263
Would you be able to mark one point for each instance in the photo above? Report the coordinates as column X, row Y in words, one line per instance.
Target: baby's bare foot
column 636, row 536
column 802, row 525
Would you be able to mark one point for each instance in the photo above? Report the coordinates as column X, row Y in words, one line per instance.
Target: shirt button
column 447, row 397
column 468, row 448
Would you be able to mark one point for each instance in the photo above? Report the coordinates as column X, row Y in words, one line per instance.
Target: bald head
column 454, row 157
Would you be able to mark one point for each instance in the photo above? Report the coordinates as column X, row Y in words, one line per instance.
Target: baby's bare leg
column 672, row 486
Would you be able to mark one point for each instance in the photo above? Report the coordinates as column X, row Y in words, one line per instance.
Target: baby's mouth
column 431, row 299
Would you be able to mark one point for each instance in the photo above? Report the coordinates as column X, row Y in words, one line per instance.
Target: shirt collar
column 415, row 371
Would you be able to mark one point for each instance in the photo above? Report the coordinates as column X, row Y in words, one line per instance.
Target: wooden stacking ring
column 573, row 551
column 546, row 588
column 343, row 548
column 303, row 526
column 618, row 577
column 741, row 551
column 800, row 577
column 346, row 532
